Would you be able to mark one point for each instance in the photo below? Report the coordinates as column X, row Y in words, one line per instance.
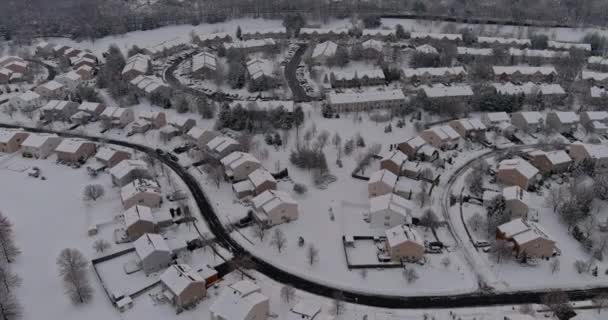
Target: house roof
column 568, row 45
column 325, row 49
column 6, row 135
column 373, row 44
column 596, row 115
column 149, row 243
column 114, row 112
column 288, row 105
column 516, row 193
column 233, row 305
column 138, row 62
column 525, row 70
column 89, row 107
column 306, row 309
column 178, row 277
column 138, row 213
column 504, row 40
column 513, row 228
column 125, row 167
column 426, row 48
column 556, row 157
column 106, row 153
column 366, row 96
column 258, row 68
column 71, row 145
column 138, row 186
column 259, row 176
column 538, row 53
column 220, row 143
column 440, row 71
column 375, row 73
column 401, row 234
column 383, row 176
column 566, row 117
column 474, row 51
column 437, row 36
column 498, row 117
column 596, row 151
column 445, row 132
column 252, row 43
column 597, row 60
column 392, row 202
column 29, row 96
column 395, row 156
column 237, row 158
column 310, row 31
column 37, row 140
column 441, row 91
column 378, row 32
column 202, row 60
column 52, row 85
column 531, row 117
column 521, row 165
column 471, row 124
column 58, row 105
column 271, row 199
column 529, row 88
column 416, row 142
column 593, row 75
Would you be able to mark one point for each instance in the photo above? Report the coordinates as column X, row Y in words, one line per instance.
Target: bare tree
column 72, row 268
column 600, row 301
column 581, row 266
column 423, row 195
column 259, row 231
column 338, row 304
column 500, row 250
column 93, row 192
column 8, row 279
column 363, row 273
column 555, row 197
column 476, row 221
column 446, row 262
column 410, row 275
column 10, row 309
column 214, row 173
column 312, row 254
column 278, row 239
column 558, row 302
column 429, row 219
column 555, row 265
column 7, row 244
column 101, row 245
column 288, row 293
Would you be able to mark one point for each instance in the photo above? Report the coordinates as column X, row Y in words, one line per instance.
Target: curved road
column 299, row 94
column 282, row 276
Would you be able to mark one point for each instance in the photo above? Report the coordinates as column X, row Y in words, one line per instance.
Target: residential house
column 200, row 137
column 117, row 116
column 156, row 119
column 442, row 137
column 86, row 72
column 534, row 56
column 381, row 182
column 449, row 94
column 183, row 285
column 167, row 47
column 59, row 110
column 208, row 39
column 324, row 51
column 136, row 65
column 204, row 65
column 238, row 165
column 404, row 244
column 528, row 239
column 260, row 70
column 28, row 100
column 550, row 162
column 305, row 310
column 596, row 153
column 51, row 90
column 70, row 80
column 111, row 156
column 321, row 33
column 595, row 78
column 182, row 124
column 153, row 252
column 5, row 75
column 468, row 54
column 253, row 45
column 273, row 33
column 427, row 36
column 380, row 34
column 365, row 77
column 365, row 101
column 429, row 75
column 594, row 121
column 40, row 145
column 17, row 66
column 11, row 140
column 471, row 127
column 95, row 109
column 139, row 221
column 495, row 119
column 524, row 73
column 569, row 45
column 516, row 201
column 143, row 192
column 517, row 172
column 372, row 48
column 75, row 150
column 389, row 210
column 256, row 183
column 393, row 161
column 562, row 121
column 549, row 92
column 504, row 41
column 426, row 49
column 528, row 121
column 274, row 207
column 128, row 170
column 240, row 301
column 149, row 85
column 221, row 146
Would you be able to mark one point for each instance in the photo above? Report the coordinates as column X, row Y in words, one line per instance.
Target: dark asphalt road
column 387, row 301
column 299, row 94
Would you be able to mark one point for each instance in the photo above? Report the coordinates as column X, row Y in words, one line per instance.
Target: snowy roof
column 441, row 71
column 594, row 150
column 504, row 40
column 243, row 186
column 202, row 60
column 280, row 30
column 516, row 193
column 568, row 45
column 383, row 176
column 178, row 277
column 168, row 44
column 259, row 67
column 89, row 107
column 220, row 143
column 558, row 157
column 310, row 31
column 325, row 49
column 426, row 48
column 378, row 32
column 392, row 202
column 52, row 85
column 113, row 112
column 305, row 309
column 437, row 36
column 196, row 133
column 531, row 117
column 138, row 213
column 180, row 121
column 472, row 124
column 526, row 70
column 71, row 145
column 57, row 105
column 395, row 156
column 288, row 105
column 253, row 43
column 513, row 227
column 29, row 96
column 125, row 167
column 72, row 75
column 138, row 186
column 106, row 153
column 441, row 91
column 6, row 135
column 565, row 117
column 213, row 36
column 376, row 73
column 373, row 44
column 445, row 132
column 36, row 140
column 596, row 115
column 148, row 83
column 244, row 287
column 597, row 60
column 8, row 59
column 237, row 158
column 138, row 62
column 498, row 117
column 534, row 232
column 260, row 176
column 6, row 72
column 592, row 75
column 151, row 115
column 232, row 304
column 529, row 88
column 149, row 243
column 474, row 51
column 489, row 195
column 521, row 165
column 416, row 142
column 538, row 53
column 365, row 96
column 401, row 234
column 271, row 199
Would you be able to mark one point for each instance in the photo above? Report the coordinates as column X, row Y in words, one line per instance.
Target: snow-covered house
column 11, row 140
column 495, row 119
column 528, row 121
column 136, row 65
column 516, row 201
column 323, row 51
column 471, row 127
column 381, row 182
column 273, row 33
column 204, row 65
column 139, row 221
column 95, row 109
column 453, row 93
column 70, row 80
column 550, row 162
column 143, row 192
column 128, row 170
column 40, row 145
column 596, row 153
column 365, row 101
column 17, row 66
column 183, row 285
column 28, row 100
column 595, row 78
column 51, row 90
column 417, row 148
column 381, row 34
column 111, row 156
column 183, row 124
column 534, row 55
column 562, row 121
column 524, row 73
column 594, row 121
column 256, row 183
column 324, row 33
column 426, row 49
column 389, row 210
column 393, row 161
column 200, row 137
column 372, row 48
column 221, row 146
column 252, row 45
column 442, row 137
column 504, row 41
column 529, row 239
column 568, row 45
column 241, row 301
column 260, row 70
column 167, row 47
column 364, row 77
column 59, row 110
column 75, row 150
column 206, row 39
column 466, row 54
column 86, row 72
column 156, row 119
column 153, row 252
column 305, row 310
column 149, row 85
column 404, row 244
column 428, row 75
column 274, row 207
column 427, row 36
column 117, row 116
column 5, row 75
column 517, row 172
column 238, row 165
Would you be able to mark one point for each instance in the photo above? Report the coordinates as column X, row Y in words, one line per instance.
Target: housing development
column 373, row 165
